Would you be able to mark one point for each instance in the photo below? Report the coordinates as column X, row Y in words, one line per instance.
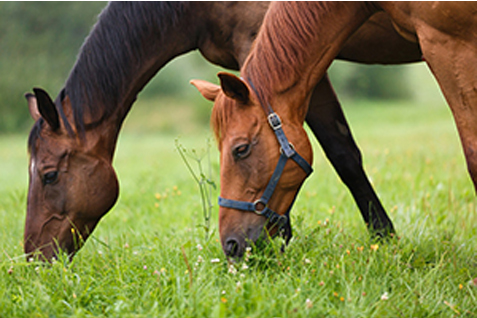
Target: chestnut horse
column 295, row 46
column 72, row 182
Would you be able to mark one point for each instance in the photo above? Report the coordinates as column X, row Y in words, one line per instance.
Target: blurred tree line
column 38, row 45
column 39, row 42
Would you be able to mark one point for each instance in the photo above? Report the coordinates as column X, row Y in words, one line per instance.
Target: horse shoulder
column 413, row 18
column 230, row 30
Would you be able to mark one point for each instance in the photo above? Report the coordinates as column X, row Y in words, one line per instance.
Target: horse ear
column 47, row 108
column 208, row 90
column 234, row 87
column 32, row 106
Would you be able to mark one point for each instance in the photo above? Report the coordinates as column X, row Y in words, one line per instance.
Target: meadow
column 151, row 257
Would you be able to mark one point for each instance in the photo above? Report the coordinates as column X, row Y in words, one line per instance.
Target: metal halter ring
column 277, row 219
column 256, row 205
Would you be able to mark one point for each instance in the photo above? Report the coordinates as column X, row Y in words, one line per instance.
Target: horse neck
column 296, row 44
column 126, row 48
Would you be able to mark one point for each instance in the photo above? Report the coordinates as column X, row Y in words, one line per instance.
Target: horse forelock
column 221, row 114
column 34, row 135
column 112, row 52
column 278, row 57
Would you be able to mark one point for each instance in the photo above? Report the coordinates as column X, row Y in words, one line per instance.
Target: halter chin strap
column 260, row 206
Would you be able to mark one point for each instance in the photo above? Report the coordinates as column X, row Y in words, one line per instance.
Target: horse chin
column 50, row 254
column 62, row 246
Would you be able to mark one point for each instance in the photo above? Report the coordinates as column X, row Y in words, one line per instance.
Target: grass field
column 135, row 264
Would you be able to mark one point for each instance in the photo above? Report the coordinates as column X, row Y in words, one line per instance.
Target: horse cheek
column 103, row 190
column 55, row 199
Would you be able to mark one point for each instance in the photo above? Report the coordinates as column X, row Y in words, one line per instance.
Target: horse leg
column 454, row 64
column 326, row 119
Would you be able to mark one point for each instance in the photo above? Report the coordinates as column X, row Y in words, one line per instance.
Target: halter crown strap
column 286, row 147
column 276, row 124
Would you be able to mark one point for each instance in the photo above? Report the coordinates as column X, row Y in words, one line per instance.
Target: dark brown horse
column 295, row 46
column 72, row 182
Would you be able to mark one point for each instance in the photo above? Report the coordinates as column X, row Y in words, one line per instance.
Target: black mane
column 112, row 52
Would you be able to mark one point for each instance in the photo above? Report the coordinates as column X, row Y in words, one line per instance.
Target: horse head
column 71, row 181
column 251, row 156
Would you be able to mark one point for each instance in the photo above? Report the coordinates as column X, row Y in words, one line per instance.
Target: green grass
column 135, row 265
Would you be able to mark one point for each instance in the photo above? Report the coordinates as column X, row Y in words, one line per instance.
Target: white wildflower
column 232, row 269
column 308, row 303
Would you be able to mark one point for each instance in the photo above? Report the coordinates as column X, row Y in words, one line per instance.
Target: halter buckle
column 274, row 121
column 291, row 147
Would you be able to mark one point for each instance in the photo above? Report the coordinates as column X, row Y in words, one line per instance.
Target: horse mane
column 274, row 55
column 282, row 46
column 112, row 53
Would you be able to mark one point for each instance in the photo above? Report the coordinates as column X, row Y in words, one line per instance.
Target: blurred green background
column 39, row 42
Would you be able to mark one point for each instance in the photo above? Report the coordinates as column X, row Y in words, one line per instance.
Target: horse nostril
column 231, row 247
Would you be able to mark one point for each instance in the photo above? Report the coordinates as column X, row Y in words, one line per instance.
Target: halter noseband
column 260, row 206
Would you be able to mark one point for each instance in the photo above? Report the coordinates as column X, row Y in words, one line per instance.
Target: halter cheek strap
column 261, row 205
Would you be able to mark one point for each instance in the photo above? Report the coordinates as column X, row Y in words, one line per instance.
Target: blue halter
column 260, row 206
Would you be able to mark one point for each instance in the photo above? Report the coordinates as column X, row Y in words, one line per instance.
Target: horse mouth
column 235, row 246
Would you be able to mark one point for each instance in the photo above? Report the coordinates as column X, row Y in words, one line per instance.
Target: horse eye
column 241, row 151
column 50, row 177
